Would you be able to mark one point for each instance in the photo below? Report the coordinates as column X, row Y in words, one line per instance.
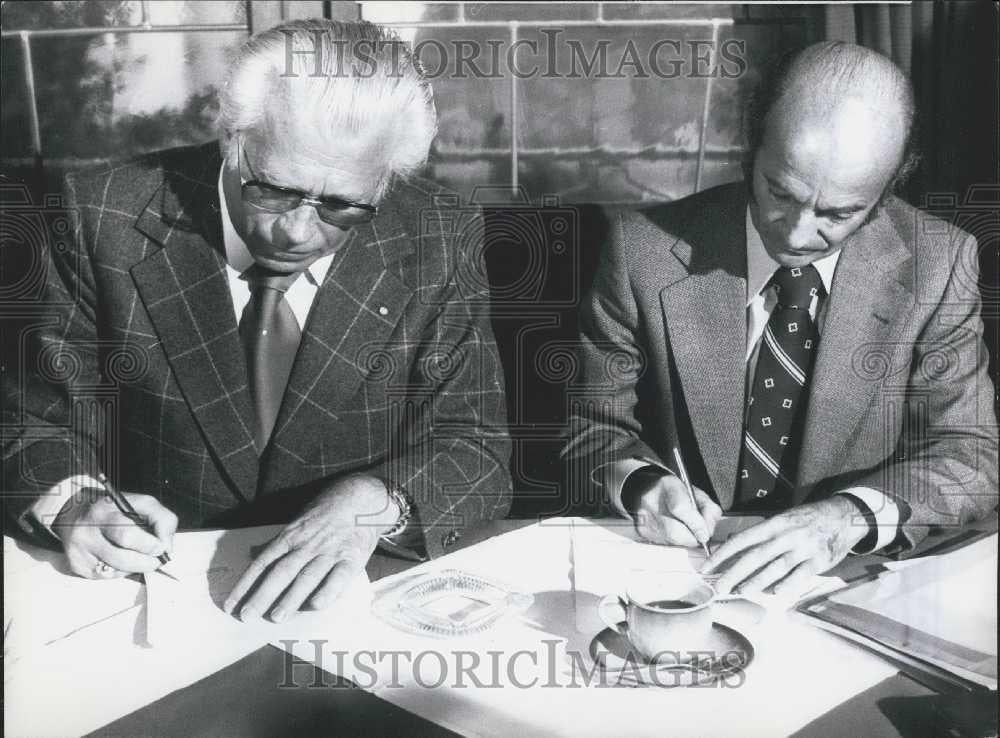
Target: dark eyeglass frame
column 330, row 209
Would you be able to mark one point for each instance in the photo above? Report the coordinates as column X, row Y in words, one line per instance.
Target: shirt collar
column 761, row 267
column 238, row 255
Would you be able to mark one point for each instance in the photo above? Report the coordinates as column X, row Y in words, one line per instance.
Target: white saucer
column 621, row 666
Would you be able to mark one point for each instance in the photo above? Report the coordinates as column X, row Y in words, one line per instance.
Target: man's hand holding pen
column 664, row 512
column 101, row 540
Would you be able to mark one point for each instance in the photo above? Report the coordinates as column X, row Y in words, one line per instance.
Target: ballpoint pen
column 123, row 505
column 687, row 484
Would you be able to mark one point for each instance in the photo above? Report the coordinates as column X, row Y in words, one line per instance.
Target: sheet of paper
column 169, row 640
column 534, row 675
column 207, row 565
column 569, row 705
column 37, row 586
column 941, row 609
column 952, row 597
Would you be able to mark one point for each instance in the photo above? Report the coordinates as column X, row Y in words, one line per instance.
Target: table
column 249, row 697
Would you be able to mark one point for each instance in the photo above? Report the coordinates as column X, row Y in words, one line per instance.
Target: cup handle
column 612, row 610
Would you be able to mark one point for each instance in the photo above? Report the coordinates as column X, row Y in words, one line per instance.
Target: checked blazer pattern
column 140, row 371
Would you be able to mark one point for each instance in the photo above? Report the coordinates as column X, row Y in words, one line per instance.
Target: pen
column 687, row 484
column 122, row 503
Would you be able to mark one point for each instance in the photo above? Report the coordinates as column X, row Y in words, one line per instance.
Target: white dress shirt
column 761, row 301
column 299, row 296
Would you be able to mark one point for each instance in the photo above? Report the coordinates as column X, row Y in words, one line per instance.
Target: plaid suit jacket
column 899, row 401
column 140, row 371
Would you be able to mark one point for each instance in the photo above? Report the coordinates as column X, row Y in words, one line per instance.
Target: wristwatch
column 405, row 504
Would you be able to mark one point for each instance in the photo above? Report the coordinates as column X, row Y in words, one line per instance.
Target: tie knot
column 259, row 277
column 797, row 286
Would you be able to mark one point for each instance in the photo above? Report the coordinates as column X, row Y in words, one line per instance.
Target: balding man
column 809, row 343
column 275, row 327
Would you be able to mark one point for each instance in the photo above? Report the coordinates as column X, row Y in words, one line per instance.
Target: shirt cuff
column 408, row 548
column 883, row 510
column 48, row 506
column 612, row 477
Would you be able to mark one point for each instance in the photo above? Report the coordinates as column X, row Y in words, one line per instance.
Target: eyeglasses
column 275, row 199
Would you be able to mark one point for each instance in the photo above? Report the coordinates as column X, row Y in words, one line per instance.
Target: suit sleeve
column 604, row 443
column 944, row 470
column 451, row 450
column 56, row 437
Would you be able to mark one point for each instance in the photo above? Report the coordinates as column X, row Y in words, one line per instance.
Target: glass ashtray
column 450, row 603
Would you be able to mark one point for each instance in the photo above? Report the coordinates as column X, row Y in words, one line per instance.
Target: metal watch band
column 405, row 504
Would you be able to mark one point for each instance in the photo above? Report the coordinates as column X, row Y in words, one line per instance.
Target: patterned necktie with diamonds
column 271, row 336
column 776, row 411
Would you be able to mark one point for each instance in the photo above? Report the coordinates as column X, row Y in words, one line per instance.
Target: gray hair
column 343, row 78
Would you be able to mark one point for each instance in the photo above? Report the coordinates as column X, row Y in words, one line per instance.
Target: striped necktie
column 270, row 335
column 776, row 412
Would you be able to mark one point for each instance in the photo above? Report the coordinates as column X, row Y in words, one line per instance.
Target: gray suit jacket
column 900, row 399
column 140, row 370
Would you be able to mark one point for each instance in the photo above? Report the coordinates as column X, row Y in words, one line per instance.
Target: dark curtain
column 950, row 51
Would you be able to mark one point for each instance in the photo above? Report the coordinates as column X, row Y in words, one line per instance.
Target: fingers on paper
column 335, row 583
column 267, row 581
column 272, row 552
column 797, row 581
column 305, row 583
column 740, row 542
column 777, row 569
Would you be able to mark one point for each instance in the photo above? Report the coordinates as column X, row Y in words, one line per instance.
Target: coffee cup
column 666, row 616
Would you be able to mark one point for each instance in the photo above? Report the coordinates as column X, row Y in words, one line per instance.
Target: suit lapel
column 184, row 288
column 705, row 317
column 866, row 297
column 353, row 316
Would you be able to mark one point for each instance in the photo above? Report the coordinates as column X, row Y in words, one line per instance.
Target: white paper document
column 533, row 674
column 941, row 610
column 120, row 644
column 44, row 603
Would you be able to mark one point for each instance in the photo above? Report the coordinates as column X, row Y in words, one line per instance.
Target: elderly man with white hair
column 282, row 326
